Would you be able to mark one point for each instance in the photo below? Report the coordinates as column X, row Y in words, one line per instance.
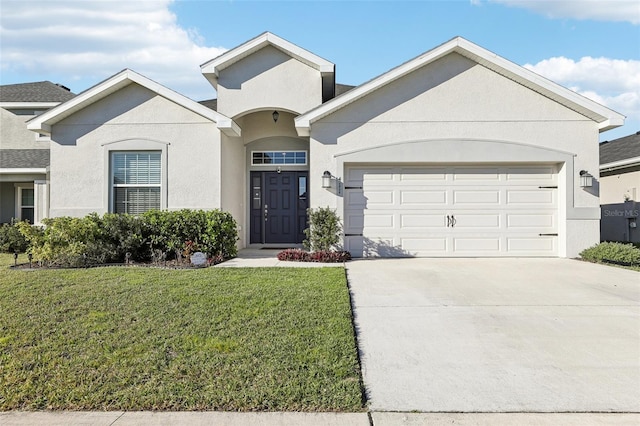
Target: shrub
column 294, row 255
column 323, row 256
column 624, row 254
column 11, row 240
column 124, row 233
column 72, row 242
column 324, row 229
column 67, row 241
column 213, row 231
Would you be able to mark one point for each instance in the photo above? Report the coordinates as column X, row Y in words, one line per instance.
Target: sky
column 589, row 46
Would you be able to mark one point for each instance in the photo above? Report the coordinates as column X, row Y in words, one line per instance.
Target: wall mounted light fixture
column 275, row 115
column 586, row 179
column 326, row 179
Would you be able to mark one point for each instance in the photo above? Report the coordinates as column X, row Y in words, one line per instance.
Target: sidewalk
column 147, row 418
column 256, row 258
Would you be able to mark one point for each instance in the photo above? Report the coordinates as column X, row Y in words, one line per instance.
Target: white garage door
column 451, row 210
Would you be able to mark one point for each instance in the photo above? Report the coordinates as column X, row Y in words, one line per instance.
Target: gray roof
column 620, row 149
column 42, row 91
column 24, row 158
column 342, row 88
column 210, row 103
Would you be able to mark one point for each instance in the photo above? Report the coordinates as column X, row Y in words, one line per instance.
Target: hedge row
column 114, row 238
column 607, row 252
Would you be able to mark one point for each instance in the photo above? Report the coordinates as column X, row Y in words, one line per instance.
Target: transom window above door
column 259, row 158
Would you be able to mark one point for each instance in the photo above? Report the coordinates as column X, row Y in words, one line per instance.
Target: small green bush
column 623, row 254
column 324, row 229
column 11, row 240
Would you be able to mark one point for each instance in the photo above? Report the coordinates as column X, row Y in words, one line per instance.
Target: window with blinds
column 136, row 180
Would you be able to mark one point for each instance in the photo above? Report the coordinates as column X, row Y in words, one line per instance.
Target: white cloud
column 95, row 39
column 599, row 10
column 611, row 82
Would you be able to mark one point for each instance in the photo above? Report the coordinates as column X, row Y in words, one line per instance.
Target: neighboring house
column 457, row 152
column 24, row 155
column 620, row 189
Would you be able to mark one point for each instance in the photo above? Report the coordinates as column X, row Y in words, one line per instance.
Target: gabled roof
column 621, row 152
column 41, row 93
column 605, row 117
column 43, row 122
column 211, row 69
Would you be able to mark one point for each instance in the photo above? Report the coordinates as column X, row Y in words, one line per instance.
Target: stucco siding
column 14, row 133
column 454, row 100
column 133, row 118
column 233, row 182
column 268, row 78
column 613, row 188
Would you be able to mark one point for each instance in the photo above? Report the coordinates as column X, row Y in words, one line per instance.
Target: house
column 24, row 155
column 620, row 189
column 457, row 152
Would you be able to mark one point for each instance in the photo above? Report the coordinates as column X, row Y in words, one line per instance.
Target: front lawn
column 154, row 339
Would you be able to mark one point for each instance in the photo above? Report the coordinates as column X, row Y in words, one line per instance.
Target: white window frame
column 19, row 187
column 113, row 185
column 306, row 157
column 133, row 144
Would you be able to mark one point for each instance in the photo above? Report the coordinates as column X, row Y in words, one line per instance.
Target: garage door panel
column 491, row 197
column 542, row 245
column 418, row 175
column 545, row 197
column 499, row 210
column 381, row 197
column 476, row 220
column 476, row 174
column 537, row 174
column 373, row 221
column 424, row 246
column 422, row 221
column 430, row 198
column 540, row 220
column 485, row 245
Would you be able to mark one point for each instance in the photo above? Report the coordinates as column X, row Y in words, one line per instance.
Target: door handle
column 448, row 221
column 453, row 221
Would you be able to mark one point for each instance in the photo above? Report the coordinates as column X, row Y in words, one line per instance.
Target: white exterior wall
column 14, row 133
column 133, row 118
column 614, row 188
column 454, row 100
column 268, row 78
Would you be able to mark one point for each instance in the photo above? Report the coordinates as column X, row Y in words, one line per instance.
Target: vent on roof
column 63, row 87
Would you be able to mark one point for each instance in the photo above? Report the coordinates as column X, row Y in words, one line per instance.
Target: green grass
column 152, row 339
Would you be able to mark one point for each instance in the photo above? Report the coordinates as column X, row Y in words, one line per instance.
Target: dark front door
column 278, row 207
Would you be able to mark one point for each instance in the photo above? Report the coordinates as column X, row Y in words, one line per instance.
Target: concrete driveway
column 497, row 335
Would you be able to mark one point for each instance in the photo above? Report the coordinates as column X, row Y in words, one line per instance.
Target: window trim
column 306, row 158
column 19, row 187
column 126, row 145
column 113, row 185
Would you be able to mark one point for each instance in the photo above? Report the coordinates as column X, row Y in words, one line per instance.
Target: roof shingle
column 620, row 149
column 42, row 91
column 24, row 158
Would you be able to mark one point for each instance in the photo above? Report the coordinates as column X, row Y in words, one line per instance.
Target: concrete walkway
column 257, row 258
column 147, row 418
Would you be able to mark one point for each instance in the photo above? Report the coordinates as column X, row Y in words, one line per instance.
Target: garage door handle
column 453, row 221
column 448, row 221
